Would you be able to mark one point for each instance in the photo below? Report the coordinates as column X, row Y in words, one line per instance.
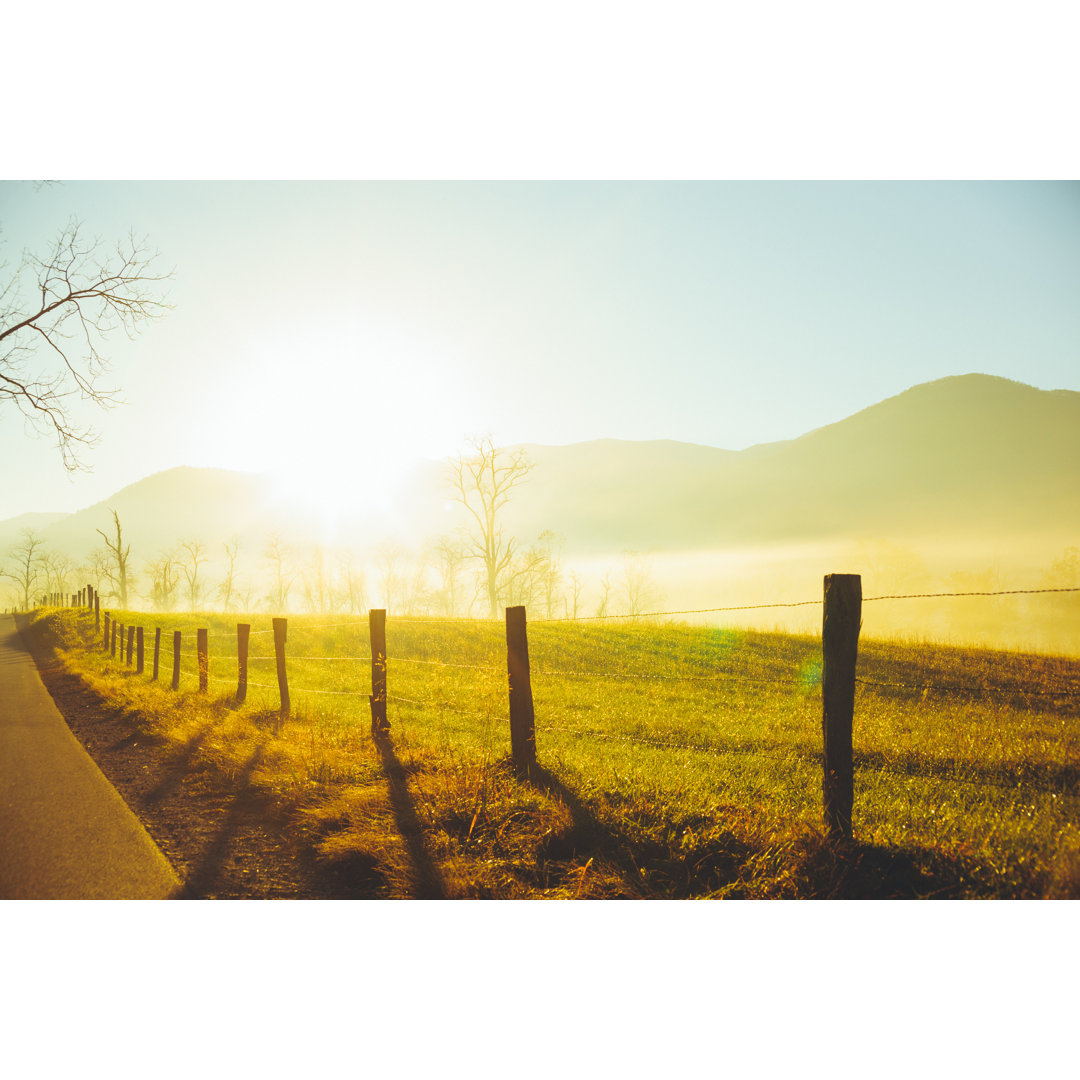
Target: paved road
column 65, row 833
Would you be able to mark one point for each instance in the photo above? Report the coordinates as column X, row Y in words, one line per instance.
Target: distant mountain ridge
column 964, row 455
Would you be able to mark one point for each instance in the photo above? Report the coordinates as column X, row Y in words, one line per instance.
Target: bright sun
column 345, row 426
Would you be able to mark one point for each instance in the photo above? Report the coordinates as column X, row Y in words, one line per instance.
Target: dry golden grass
column 677, row 761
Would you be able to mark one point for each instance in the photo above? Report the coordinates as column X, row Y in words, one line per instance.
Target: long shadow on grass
column 648, row 868
column 175, row 766
column 202, row 878
column 1048, row 776
column 427, row 883
column 820, row 869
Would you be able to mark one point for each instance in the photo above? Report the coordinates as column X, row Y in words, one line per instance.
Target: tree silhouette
column 482, row 481
column 116, row 566
column 55, row 313
column 29, row 558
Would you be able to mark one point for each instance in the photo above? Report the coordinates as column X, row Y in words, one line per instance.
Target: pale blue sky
column 358, row 323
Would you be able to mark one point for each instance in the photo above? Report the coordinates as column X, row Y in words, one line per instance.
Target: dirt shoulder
column 220, row 835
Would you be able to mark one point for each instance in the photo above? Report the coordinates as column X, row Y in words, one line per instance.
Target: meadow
column 676, row 760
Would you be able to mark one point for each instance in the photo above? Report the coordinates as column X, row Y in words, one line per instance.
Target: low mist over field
column 684, row 396
column 964, row 485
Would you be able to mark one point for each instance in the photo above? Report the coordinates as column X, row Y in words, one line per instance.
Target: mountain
column 179, row 504
column 964, row 457
column 12, row 529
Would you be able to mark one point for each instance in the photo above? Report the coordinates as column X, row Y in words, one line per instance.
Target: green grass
column 677, row 760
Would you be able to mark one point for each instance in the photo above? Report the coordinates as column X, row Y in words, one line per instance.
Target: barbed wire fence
column 523, row 751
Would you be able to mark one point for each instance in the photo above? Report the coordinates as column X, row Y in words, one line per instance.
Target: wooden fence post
column 202, row 647
column 176, row 660
column 839, row 649
column 380, row 725
column 522, row 718
column 140, row 656
column 243, row 633
column 105, row 639
column 157, row 650
column 280, row 628
column 130, row 645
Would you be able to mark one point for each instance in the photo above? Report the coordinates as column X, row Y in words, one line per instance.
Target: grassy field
column 676, row 761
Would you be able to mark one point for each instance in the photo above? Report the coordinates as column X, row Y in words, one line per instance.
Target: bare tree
column 164, row 579
column 352, row 582
column 550, row 574
column 228, row 584
column 64, row 305
column 522, row 581
column 116, row 566
column 29, row 569
column 577, row 584
column 482, row 482
column 279, row 557
column 194, row 557
column 95, row 566
column 605, row 594
column 449, row 556
column 317, row 582
column 58, row 570
column 388, row 555
column 638, row 586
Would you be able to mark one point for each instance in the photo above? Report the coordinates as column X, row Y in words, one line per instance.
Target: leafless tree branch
column 65, row 305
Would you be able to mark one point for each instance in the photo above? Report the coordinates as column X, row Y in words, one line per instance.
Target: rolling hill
column 965, row 456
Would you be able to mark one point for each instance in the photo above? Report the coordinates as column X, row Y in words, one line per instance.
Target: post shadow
column 202, row 878
column 427, row 883
column 176, row 765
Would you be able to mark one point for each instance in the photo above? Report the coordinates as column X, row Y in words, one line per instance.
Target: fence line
column 658, row 614
column 444, row 663
column 998, row 592
column 1073, row 692
column 799, row 603
column 837, row 761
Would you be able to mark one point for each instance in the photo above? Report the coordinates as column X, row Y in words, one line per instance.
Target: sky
column 331, row 331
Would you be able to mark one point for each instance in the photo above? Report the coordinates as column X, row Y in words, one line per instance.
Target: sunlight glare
column 355, row 419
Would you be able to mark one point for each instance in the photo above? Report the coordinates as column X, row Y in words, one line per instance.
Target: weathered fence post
column 202, row 647
column 176, row 660
column 157, row 650
column 522, row 719
column 839, row 649
column 130, row 645
column 140, row 656
column 280, row 628
column 105, row 638
column 243, row 633
column 380, row 725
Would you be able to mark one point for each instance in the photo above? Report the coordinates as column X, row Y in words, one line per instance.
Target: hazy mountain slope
column 12, row 529
column 179, row 504
column 965, row 453
column 967, row 456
